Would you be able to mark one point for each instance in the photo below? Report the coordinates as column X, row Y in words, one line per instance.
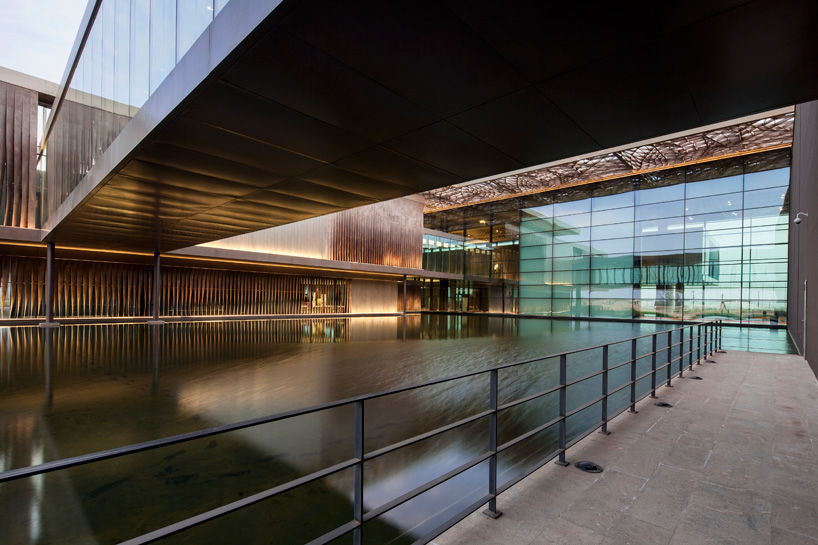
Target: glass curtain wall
column 695, row 249
column 703, row 241
column 132, row 47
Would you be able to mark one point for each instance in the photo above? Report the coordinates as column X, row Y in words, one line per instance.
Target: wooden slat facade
column 110, row 290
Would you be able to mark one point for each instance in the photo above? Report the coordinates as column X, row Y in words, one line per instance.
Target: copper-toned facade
column 18, row 146
column 73, row 149
column 388, row 233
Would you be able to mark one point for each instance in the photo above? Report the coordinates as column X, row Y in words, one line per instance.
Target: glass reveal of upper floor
column 131, row 48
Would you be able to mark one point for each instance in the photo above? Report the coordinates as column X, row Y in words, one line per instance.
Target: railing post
column 711, row 339
column 653, row 367
column 492, row 510
column 682, row 353
column 633, row 377
column 563, row 380
column 604, row 429
column 669, row 357
column 699, row 346
column 690, row 353
column 358, row 494
column 720, row 331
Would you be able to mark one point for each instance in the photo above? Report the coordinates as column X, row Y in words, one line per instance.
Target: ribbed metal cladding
column 388, row 233
column 94, row 289
column 18, row 155
column 73, row 149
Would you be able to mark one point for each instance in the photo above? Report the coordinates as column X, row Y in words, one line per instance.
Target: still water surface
column 113, row 385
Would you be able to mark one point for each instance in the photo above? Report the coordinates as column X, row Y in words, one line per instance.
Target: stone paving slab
column 732, row 461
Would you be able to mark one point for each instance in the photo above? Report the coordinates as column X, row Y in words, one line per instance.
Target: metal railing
column 684, row 343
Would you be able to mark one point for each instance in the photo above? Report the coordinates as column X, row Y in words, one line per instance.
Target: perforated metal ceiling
column 762, row 134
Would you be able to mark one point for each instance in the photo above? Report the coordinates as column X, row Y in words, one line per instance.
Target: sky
column 36, row 35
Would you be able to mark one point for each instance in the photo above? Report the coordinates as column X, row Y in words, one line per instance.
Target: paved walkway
column 733, row 461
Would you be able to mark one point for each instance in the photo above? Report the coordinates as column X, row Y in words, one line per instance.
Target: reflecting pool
column 103, row 386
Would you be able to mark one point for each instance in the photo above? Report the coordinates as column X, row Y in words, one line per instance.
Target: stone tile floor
column 732, row 461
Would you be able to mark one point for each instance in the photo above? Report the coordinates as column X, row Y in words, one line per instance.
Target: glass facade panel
column 715, row 251
column 659, row 210
column 660, row 194
column 768, row 178
column 139, row 53
column 612, row 201
column 572, row 235
column 729, row 202
column 612, row 246
column 619, row 230
column 765, row 197
column 732, row 184
column 131, row 48
column 617, row 215
column 572, row 207
column 572, row 222
column 193, row 17
column 163, row 40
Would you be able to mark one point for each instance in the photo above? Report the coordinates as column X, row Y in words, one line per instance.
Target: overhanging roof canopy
column 329, row 105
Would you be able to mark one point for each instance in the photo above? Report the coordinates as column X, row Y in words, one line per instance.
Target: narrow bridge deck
column 733, row 461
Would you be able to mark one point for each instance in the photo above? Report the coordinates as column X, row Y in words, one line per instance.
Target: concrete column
column 49, row 287
column 157, row 289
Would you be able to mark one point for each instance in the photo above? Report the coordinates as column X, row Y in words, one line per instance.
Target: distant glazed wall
column 388, row 233
column 803, row 258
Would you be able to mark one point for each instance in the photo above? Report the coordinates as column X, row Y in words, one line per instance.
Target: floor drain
column 710, row 361
column 696, row 378
column 589, row 467
column 663, row 404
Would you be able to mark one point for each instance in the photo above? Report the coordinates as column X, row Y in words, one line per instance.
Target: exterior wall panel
column 388, row 233
column 803, row 258
column 371, row 296
column 18, row 154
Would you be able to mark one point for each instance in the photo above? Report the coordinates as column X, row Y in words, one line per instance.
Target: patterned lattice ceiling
column 752, row 136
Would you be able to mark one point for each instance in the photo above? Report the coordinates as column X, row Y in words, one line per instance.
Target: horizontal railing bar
column 336, row 533
column 528, row 471
column 618, row 365
column 583, row 379
column 201, row 518
column 66, row 463
column 452, row 521
column 622, row 387
column 585, row 406
column 584, row 434
column 424, row 436
column 378, row 511
column 520, row 438
column 527, row 398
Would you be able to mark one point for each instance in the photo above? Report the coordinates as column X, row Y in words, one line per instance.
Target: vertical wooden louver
column 113, row 290
column 18, row 156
